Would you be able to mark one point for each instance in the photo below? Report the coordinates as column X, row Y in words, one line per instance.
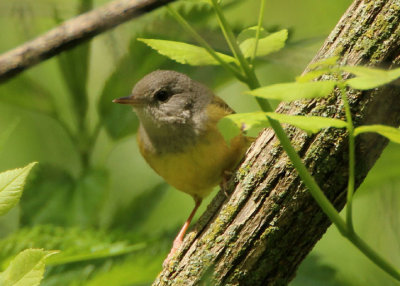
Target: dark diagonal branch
column 73, row 32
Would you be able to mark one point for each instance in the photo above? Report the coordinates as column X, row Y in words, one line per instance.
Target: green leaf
column 185, row 53
column 113, row 250
column 40, row 203
column 137, row 269
column 141, row 207
column 11, row 186
column 228, row 129
column 26, row 269
column 89, row 197
column 267, row 43
column 324, row 63
column 231, row 125
column 312, row 75
column 27, row 93
column 5, row 134
column 368, row 78
column 294, row 90
column 250, row 123
column 391, row 133
column 75, row 201
column 72, row 240
column 311, row 124
column 318, row 68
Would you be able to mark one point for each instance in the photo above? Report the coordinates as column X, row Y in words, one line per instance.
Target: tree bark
column 269, row 223
column 72, row 33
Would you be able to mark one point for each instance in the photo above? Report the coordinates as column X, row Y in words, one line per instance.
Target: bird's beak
column 132, row 100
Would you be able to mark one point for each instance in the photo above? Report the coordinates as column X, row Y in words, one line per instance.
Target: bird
column 179, row 138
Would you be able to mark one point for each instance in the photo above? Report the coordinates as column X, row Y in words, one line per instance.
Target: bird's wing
column 222, row 104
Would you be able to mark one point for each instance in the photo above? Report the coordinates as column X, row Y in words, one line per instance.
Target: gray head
column 170, row 106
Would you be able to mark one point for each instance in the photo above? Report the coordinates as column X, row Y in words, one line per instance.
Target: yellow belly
column 200, row 167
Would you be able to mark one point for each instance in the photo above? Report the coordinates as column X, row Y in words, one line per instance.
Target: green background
column 111, row 216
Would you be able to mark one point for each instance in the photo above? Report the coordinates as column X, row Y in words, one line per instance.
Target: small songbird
column 178, row 135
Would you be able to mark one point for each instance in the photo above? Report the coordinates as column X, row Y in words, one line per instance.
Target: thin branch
column 72, row 33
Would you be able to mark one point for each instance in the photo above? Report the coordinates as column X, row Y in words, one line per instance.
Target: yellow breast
column 198, row 168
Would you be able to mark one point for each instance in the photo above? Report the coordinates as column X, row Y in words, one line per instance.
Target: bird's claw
column 176, row 245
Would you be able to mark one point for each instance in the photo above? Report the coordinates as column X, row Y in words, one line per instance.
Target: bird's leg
column 179, row 238
column 226, row 175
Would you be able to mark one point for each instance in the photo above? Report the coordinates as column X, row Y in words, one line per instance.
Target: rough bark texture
column 73, row 32
column 269, row 223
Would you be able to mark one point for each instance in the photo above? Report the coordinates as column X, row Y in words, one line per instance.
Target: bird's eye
column 162, row 95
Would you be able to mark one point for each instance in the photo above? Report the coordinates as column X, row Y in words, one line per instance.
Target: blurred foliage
column 94, row 198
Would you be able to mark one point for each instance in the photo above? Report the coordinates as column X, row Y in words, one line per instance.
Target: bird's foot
column 226, row 175
column 175, row 246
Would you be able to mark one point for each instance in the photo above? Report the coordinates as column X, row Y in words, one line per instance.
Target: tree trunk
column 269, row 223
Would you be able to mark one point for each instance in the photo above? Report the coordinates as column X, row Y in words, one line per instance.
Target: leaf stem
column 259, row 25
column 346, row 229
column 374, row 256
column 308, row 180
column 231, row 40
column 251, row 78
column 253, row 83
column 351, row 180
column 204, row 43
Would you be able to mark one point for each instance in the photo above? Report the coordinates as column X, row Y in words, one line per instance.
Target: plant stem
column 259, row 26
column 231, row 40
column 308, row 180
column 253, row 83
column 204, row 43
column 350, row 128
column 325, row 204
column 374, row 256
column 251, row 78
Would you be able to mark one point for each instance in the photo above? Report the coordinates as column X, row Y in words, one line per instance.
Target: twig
column 73, row 32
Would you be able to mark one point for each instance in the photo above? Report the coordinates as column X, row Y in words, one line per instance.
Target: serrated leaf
column 235, row 123
column 312, row 75
column 267, row 43
column 294, row 90
column 185, row 53
column 391, row 133
column 368, row 78
column 324, row 63
column 11, row 187
column 310, row 124
column 26, row 269
column 249, row 123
